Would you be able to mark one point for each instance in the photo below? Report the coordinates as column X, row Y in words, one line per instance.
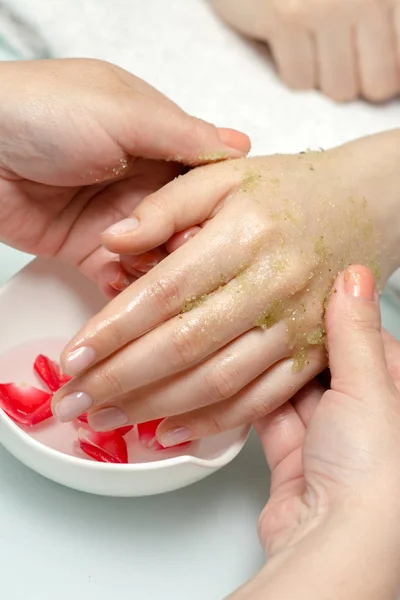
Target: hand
column 211, row 335
column 82, row 142
column 346, row 48
column 333, row 511
column 321, row 444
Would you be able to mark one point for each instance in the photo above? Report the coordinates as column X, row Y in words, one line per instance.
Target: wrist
column 353, row 553
column 370, row 168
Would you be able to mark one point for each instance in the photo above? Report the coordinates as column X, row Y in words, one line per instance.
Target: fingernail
column 234, row 139
column 191, row 233
column 175, row 436
column 72, row 406
column 108, row 418
column 359, row 282
column 121, row 282
column 145, row 262
column 79, row 360
column 125, row 226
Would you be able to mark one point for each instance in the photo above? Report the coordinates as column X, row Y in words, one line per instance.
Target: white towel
column 17, row 39
column 182, row 48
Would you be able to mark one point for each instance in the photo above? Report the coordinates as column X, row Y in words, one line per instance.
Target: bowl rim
column 81, row 463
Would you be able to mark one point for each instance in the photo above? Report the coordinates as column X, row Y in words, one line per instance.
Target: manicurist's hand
column 345, row 48
column 81, row 143
column 230, row 326
column 331, row 527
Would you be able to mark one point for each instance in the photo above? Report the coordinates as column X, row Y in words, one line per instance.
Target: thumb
column 356, row 352
column 151, row 128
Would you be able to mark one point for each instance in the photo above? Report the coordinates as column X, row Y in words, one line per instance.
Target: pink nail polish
column 174, row 436
column 72, row 406
column 79, row 360
column 108, row 418
column 122, row 227
column 146, row 262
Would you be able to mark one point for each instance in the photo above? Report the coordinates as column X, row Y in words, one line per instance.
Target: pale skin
column 82, row 143
column 331, row 528
column 345, row 48
column 230, row 326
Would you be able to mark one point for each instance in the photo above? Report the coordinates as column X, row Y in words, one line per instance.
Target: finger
column 183, row 203
column 178, row 239
column 176, row 345
column 307, row 399
column 147, row 127
column 257, row 400
column 223, row 375
column 294, row 54
column 143, row 263
column 396, row 24
column 356, row 352
column 376, row 48
column 337, row 63
column 392, row 354
column 286, row 432
column 282, row 434
column 208, row 261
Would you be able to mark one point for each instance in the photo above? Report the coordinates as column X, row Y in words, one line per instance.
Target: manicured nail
column 79, row 360
column 72, row 406
column 108, row 418
column 234, row 139
column 145, row 262
column 121, row 282
column 175, row 436
column 359, row 282
column 125, row 226
column 191, row 233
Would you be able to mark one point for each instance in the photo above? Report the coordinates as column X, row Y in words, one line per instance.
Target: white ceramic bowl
column 42, row 307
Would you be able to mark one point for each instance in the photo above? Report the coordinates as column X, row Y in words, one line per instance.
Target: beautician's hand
column 346, row 48
column 81, row 143
column 331, row 527
column 210, row 336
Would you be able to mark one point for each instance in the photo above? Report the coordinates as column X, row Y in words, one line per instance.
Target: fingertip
column 359, row 282
column 235, row 140
column 120, row 238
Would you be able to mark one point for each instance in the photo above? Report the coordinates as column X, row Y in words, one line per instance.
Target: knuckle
column 259, row 410
column 214, row 424
column 221, row 382
column 363, row 321
column 290, row 11
column 199, row 131
column 156, row 204
column 184, row 348
column 166, row 296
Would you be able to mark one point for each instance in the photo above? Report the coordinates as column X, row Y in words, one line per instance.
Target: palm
column 305, row 458
column 71, row 133
column 66, row 222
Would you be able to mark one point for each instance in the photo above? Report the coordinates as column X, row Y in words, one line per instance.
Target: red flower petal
column 25, row 404
column 83, row 418
column 147, row 435
column 125, row 430
column 50, row 372
column 41, row 414
column 109, row 447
